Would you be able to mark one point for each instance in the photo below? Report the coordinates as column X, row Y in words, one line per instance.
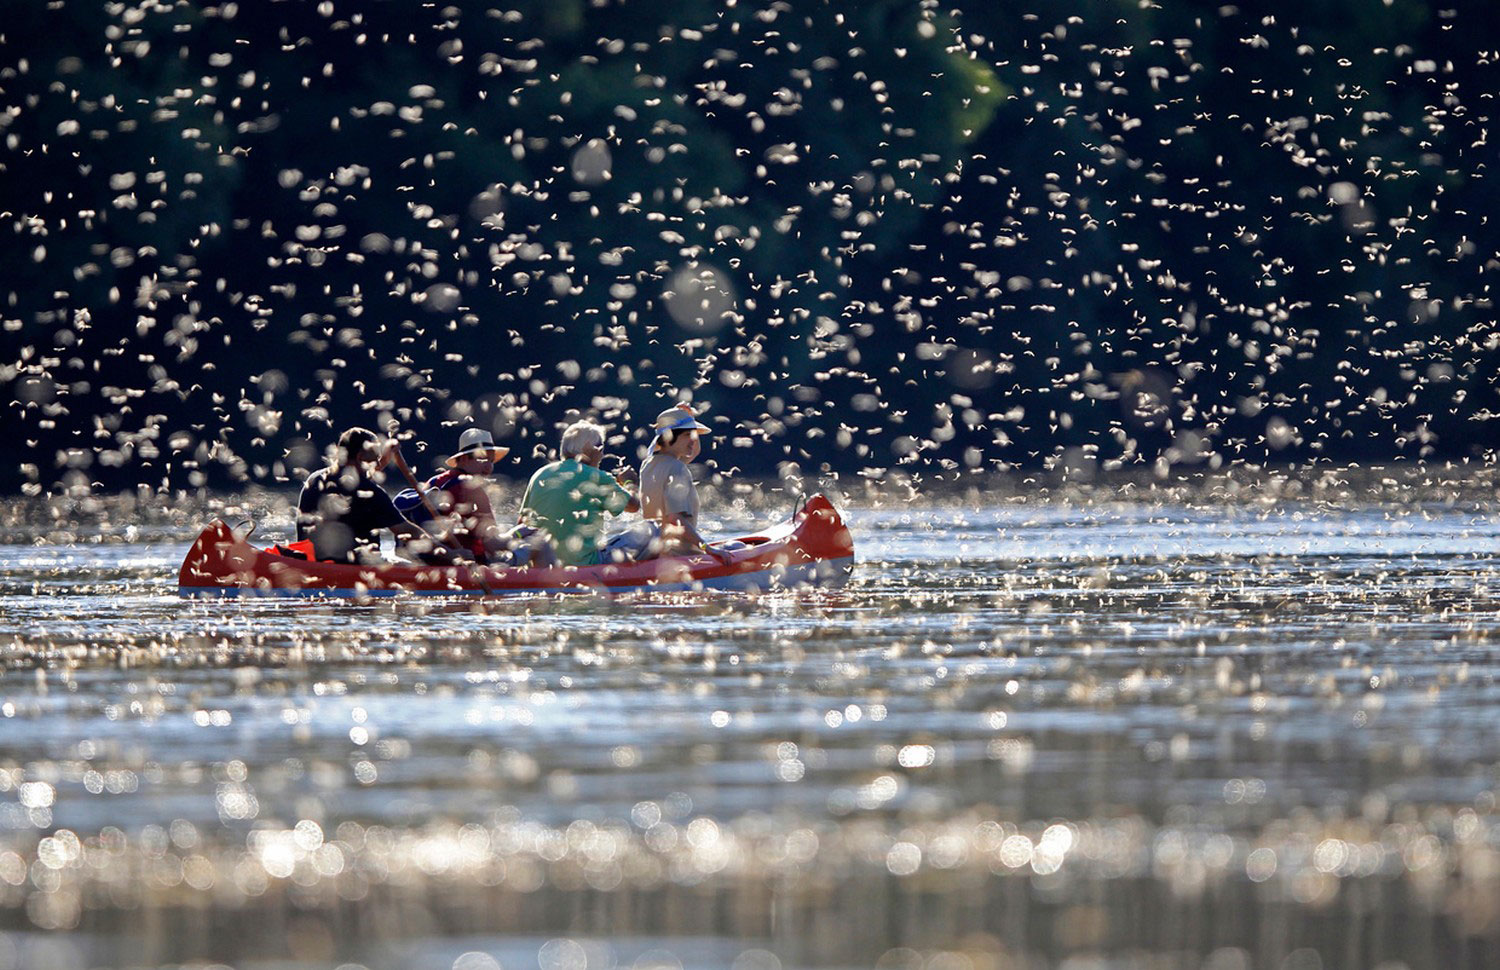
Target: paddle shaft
column 411, row 479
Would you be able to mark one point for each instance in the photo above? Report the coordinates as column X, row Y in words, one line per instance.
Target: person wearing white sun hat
column 667, row 493
column 458, row 495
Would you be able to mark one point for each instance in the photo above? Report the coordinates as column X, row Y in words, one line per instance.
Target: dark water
column 1091, row 734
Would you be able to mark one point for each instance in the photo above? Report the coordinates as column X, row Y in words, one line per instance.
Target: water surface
column 1121, row 731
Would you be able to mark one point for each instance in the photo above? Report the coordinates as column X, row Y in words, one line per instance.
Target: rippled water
column 1120, row 732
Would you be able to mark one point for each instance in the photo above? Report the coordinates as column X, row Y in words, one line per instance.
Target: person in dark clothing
column 343, row 507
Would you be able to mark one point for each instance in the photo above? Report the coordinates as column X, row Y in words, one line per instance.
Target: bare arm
column 477, row 513
column 629, row 483
column 686, row 522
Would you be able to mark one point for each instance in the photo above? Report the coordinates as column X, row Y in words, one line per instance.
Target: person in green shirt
column 568, row 498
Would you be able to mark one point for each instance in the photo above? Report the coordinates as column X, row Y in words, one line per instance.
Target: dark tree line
column 947, row 236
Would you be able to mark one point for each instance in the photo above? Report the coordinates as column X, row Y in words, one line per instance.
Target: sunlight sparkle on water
column 1292, row 705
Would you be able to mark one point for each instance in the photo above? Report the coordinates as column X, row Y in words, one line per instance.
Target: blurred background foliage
column 948, row 236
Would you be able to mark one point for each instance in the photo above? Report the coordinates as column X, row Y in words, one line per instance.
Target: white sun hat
column 479, row 443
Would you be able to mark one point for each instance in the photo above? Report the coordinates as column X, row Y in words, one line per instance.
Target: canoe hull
column 814, row 549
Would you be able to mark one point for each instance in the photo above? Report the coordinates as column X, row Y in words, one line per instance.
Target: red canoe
column 814, row 549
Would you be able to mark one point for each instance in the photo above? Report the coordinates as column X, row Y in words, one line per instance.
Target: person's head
column 582, row 441
column 358, row 446
column 677, row 430
column 477, row 453
column 474, row 464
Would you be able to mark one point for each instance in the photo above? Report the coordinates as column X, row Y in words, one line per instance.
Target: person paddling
column 568, row 498
column 343, row 507
column 668, row 496
column 467, row 520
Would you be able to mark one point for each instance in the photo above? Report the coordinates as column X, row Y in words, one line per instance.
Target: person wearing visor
column 667, row 494
column 466, row 519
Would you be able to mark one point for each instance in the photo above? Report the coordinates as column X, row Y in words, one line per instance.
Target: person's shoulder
column 469, row 484
column 546, row 474
column 308, row 497
column 370, row 485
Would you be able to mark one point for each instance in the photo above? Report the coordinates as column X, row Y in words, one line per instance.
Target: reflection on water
column 1122, row 733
